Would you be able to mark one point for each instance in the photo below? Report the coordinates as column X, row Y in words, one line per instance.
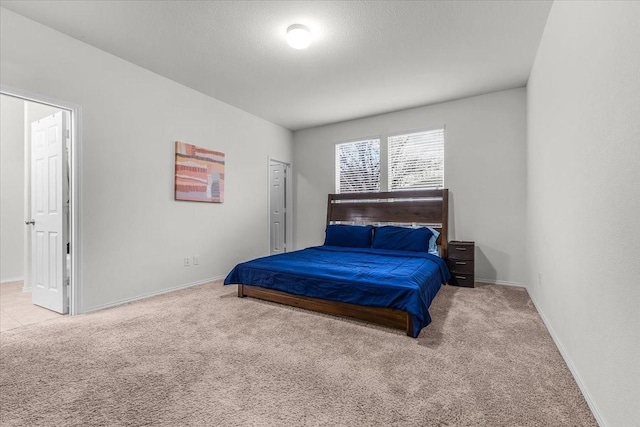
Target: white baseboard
column 501, row 282
column 572, row 368
column 151, row 294
column 11, row 279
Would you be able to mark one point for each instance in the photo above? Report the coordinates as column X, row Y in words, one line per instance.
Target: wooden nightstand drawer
column 461, row 250
column 460, row 266
column 465, row 280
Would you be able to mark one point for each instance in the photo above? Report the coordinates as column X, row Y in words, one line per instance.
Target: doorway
column 38, row 194
column 279, row 207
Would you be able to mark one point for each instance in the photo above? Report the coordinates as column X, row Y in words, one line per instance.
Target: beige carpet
column 203, row 357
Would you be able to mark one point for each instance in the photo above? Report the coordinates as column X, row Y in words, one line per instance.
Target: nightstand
column 461, row 260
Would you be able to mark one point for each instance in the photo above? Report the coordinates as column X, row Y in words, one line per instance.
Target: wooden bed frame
column 416, row 207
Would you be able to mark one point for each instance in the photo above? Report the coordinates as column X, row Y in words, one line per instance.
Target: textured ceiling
column 367, row 57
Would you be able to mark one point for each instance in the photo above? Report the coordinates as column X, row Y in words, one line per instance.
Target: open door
column 49, row 212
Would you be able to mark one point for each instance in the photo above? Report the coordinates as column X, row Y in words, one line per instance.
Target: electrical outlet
column 196, row 260
column 187, row 261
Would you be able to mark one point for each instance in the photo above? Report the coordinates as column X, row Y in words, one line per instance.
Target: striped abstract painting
column 199, row 174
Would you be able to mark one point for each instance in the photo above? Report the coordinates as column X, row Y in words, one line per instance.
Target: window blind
column 358, row 166
column 416, row 160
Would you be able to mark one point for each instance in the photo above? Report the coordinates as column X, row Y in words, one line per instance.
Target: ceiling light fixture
column 298, row 36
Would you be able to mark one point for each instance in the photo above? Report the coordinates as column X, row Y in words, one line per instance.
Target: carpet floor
column 203, row 357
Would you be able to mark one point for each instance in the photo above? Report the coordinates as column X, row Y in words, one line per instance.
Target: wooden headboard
column 415, row 207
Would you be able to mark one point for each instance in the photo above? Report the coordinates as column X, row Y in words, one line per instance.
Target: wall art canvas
column 199, row 174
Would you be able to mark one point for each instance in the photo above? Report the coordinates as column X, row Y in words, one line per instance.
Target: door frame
column 289, row 198
column 75, row 130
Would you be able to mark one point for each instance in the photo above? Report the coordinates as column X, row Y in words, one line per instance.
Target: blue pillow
column 402, row 239
column 351, row 236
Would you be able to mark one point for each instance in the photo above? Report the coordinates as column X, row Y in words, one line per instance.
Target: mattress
column 404, row 280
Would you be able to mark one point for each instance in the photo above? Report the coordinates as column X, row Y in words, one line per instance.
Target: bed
column 372, row 281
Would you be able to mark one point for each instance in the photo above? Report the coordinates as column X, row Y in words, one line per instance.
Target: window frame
column 355, row 141
column 387, row 164
column 383, row 139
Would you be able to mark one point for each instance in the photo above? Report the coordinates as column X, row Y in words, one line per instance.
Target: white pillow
column 433, row 247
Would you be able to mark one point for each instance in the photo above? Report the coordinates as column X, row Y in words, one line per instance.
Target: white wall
column 484, row 171
column 133, row 235
column 11, row 189
column 583, row 201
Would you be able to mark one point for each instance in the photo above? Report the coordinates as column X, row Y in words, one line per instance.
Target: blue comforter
column 374, row 277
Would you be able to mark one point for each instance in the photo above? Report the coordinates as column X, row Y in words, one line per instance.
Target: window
column 411, row 161
column 416, row 160
column 358, row 166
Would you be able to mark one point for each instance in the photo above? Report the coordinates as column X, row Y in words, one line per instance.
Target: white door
column 278, row 207
column 48, row 216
